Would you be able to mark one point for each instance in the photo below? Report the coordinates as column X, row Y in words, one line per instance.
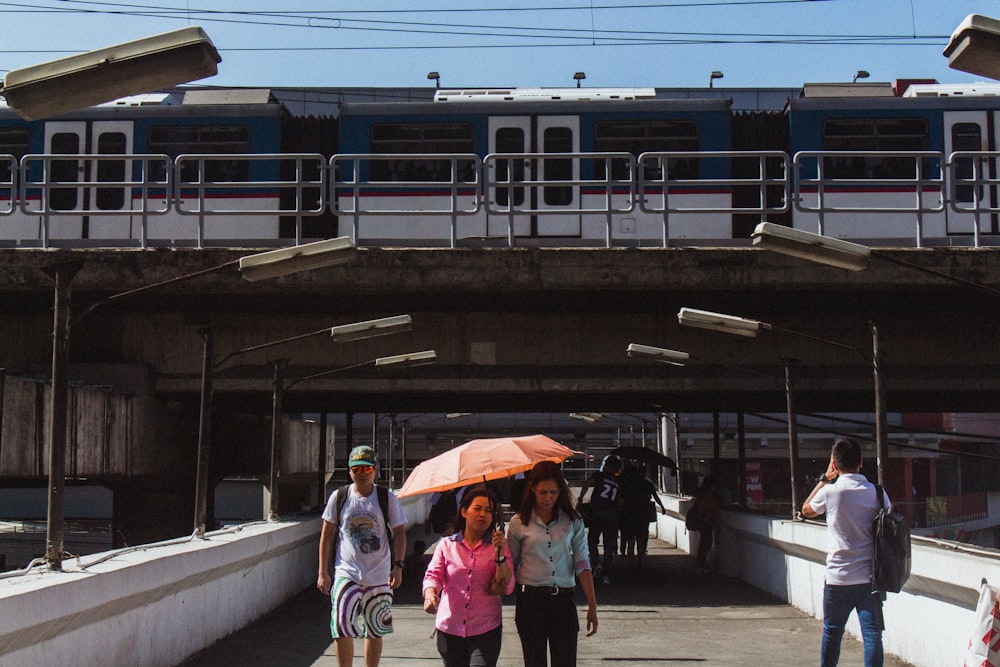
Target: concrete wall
column 161, row 604
column 927, row 624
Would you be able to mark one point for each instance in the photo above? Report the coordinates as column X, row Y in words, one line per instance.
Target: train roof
column 542, row 94
column 917, row 99
column 533, row 106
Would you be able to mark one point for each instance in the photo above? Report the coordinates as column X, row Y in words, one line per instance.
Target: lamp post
column 268, row 264
column 747, row 327
column 341, row 333
column 396, row 361
column 65, row 85
column 841, row 254
column 409, row 422
column 678, row 358
column 975, row 46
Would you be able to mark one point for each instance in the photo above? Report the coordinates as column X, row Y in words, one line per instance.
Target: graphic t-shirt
column 364, row 554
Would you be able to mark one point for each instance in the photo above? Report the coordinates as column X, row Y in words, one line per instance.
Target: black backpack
column 891, row 561
column 383, row 503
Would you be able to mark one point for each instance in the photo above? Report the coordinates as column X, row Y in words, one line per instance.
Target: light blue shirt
column 548, row 554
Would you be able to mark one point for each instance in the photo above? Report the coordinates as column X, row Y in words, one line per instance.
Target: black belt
column 547, row 590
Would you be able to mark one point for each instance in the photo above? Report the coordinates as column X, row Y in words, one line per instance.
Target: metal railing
column 359, row 187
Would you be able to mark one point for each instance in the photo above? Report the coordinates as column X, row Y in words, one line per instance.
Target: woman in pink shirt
column 468, row 573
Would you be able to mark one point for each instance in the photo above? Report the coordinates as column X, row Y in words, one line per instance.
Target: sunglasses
column 362, row 469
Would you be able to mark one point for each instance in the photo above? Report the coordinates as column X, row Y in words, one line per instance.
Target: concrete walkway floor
column 668, row 613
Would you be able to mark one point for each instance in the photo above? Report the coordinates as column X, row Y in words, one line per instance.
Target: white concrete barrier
column 927, row 624
column 158, row 605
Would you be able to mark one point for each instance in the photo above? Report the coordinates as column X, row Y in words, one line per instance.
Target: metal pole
column 881, row 431
column 204, row 434
column 57, row 416
column 793, row 433
column 274, row 481
column 741, row 449
column 321, row 463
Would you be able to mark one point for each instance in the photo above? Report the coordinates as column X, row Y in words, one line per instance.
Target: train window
column 64, row 171
column 510, row 140
column 874, row 135
column 966, row 137
column 13, row 141
column 558, row 140
column 424, row 139
column 111, row 143
column 174, row 140
column 648, row 136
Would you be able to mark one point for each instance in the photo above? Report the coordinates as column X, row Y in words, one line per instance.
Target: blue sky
column 678, row 43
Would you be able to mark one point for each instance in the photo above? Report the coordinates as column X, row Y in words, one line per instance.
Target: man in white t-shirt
column 366, row 566
column 850, row 503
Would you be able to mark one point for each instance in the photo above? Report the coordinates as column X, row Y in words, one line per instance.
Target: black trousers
column 478, row 651
column 547, row 624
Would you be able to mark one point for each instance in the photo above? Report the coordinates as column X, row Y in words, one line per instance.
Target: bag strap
column 881, row 496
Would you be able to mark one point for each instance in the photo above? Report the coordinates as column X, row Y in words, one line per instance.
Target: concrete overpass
column 515, row 329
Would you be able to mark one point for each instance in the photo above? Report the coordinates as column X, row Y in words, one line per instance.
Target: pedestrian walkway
column 667, row 613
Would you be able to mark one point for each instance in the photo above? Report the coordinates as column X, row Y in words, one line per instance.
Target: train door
column 536, row 134
column 86, row 195
column 969, row 131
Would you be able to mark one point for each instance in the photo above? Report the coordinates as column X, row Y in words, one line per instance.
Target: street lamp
column 405, row 425
column 713, row 76
column 360, row 330
column 975, row 46
column 94, row 77
column 62, row 274
column 65, row 85
column 841, row 254
column 678, row 358
column 399, row 360
column 747, row 327
column 813, row 247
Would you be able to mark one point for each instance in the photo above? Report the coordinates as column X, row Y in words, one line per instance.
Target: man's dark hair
column 847, row 454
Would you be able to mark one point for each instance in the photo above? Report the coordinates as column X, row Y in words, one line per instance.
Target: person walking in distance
column 605, row 501
column 850, row 503
column 364, row 531
column 548, row 543
column 707, row 505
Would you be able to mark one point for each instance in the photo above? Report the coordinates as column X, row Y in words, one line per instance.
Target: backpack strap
column 881, row 496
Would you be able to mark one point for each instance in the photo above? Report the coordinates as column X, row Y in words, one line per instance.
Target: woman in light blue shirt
column 549, row 545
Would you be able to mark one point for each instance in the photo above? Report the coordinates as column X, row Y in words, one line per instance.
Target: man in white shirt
column 367, row 567
column 850, row 503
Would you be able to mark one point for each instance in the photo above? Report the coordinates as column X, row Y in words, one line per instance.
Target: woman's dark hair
column 543, row 471
column 471, row 494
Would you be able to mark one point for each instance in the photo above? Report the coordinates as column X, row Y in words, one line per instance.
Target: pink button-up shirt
column 462, row 574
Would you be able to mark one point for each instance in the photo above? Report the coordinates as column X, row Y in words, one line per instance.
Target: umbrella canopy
column 481, row 461
column 645, row 455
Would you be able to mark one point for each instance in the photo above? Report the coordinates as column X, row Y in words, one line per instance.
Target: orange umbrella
column 483, row 460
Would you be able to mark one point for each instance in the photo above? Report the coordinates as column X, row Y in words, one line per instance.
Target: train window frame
column 874, row 135
column 966, row 136
column 14, row 141
column 421, row 138
column 645, row 140
column 201, row 139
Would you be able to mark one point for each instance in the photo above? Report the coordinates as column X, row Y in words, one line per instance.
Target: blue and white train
column 557, row 167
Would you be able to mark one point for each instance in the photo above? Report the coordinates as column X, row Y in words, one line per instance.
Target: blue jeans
column 838, row 602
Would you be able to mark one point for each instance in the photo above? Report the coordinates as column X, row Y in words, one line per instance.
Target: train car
column 93, row 197
column 554, row 166
column 883, row 170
